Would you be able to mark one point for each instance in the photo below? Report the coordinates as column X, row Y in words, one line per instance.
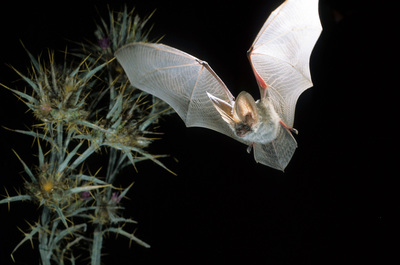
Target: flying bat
column 279, row 57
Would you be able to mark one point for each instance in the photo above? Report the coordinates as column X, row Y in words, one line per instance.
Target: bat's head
column 244, row 114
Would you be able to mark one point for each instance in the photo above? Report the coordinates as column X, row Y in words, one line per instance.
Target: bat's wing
column 281, row 52
column 179, row 79
column 280, row 58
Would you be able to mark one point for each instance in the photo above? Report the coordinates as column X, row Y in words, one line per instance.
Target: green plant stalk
column 97, row 245
column 45, row 252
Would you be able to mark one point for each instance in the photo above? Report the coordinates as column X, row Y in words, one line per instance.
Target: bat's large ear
column 224, row 108
column 245, row 109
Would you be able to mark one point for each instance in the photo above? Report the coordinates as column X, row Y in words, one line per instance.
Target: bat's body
column 266, row 129
column 253, row 122
column 279, row 57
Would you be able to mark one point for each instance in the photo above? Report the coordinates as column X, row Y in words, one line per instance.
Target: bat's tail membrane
column 278, row 153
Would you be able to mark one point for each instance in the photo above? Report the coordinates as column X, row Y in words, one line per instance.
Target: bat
column 279, row 57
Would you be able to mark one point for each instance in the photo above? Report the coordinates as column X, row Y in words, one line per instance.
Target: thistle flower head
column 50, row 188
column 106, row 212
column 109, row 207
column 58, row 93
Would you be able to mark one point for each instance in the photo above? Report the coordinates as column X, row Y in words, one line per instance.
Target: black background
column 337, row 201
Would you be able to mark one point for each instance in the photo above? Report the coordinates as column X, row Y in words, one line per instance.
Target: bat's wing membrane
column 278, row 153
column 281, row 53
column 179, row 79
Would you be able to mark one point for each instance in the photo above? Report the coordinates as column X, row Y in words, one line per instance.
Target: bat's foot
column 250, row 147
column 291, row 129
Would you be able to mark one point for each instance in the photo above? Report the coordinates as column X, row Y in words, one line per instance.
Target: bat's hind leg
column 251, row 145
column 291, row 129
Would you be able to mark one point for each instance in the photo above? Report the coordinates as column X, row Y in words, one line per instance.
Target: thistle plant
column 86, row 108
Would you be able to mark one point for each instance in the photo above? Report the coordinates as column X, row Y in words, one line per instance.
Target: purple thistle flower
column 85, row 195
column 115, row 197
column 104, row 43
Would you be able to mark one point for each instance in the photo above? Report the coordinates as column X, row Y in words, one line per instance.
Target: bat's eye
column 241, row 129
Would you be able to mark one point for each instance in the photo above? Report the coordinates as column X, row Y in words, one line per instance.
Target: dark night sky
column 336, row 201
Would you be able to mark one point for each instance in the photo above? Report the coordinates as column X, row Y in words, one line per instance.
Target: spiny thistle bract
column 84, row 107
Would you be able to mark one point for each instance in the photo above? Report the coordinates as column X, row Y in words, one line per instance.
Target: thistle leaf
column 63, row 233
column 123, row 194
column 89, row 74
column 26, row 168
column 61, row 215
column 26, row 79
column 122, row 232
column 65, row 163
column 41, row 155
column 80, row 212
column 116, row 109
column 23, row 95
column 33, row 59
column 122, row 220
column 90, row 179
column 86, row 188
column 151, row 157
column 16, row 198
column 83, row 156
column 36, row 134
column 27, row 237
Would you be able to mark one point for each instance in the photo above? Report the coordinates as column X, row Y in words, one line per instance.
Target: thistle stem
column 45, row 252
column 97, row 244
